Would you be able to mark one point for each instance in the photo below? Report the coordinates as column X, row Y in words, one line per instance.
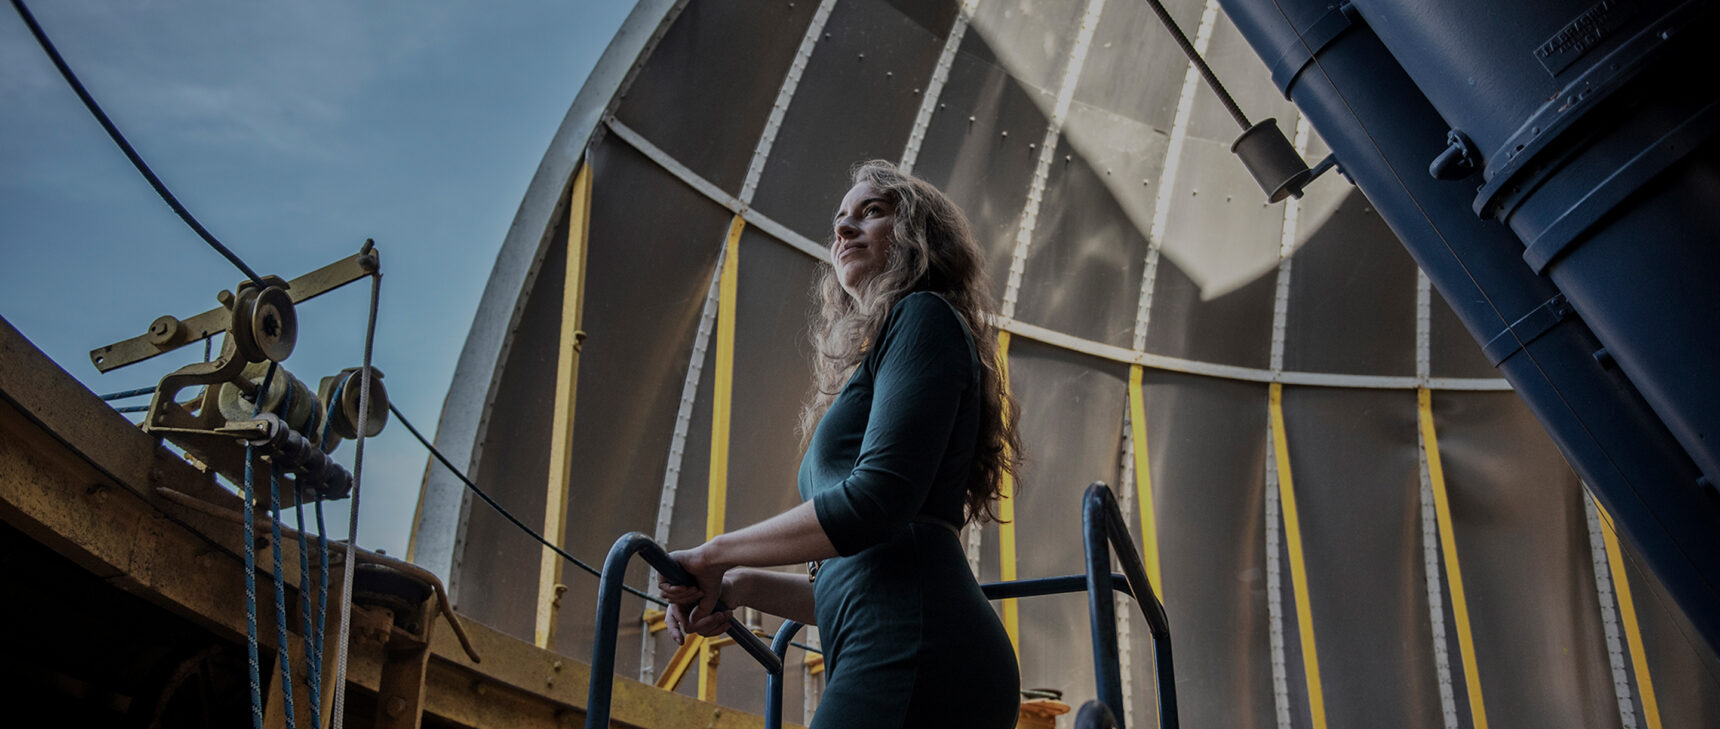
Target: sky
column 293, row 132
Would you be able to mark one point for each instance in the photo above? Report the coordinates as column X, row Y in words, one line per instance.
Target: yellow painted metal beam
column 1144, row 480
column 566, row 391
column 1453, row 569
column 1298, row 566
column 1627, row 613
column 717, row 491
column 678, row 665
column 709, row 657
column 1006, row 519
column 716, row 503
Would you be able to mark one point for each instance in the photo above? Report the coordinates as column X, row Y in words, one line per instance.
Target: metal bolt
column 862, row 56
column 1006, row 133
column 889, row 74
column 396, row 706
column 225, row 297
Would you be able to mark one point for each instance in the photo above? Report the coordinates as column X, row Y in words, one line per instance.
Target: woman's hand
column 677, row 618
column 692, row 608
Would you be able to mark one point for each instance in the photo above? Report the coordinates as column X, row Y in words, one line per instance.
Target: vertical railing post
column 1105, row 530
column 1101, row 604
column 773, row 682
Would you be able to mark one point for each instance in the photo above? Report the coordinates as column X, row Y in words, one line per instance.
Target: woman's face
column 863, row 237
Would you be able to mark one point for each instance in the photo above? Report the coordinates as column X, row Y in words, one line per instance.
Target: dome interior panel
column 687, row 522
column 773, row 373
column 1032, row 39
column 1083, row 271
column 1134, row 69
column 494, row 583
column 1247, row 81
column 1206, row 440
column 704, row 94
column 633, row 362
column 934, row 16
column 1355, row 467
column 1523, row 546
column 962, row 157
column 1352, row 294
column 1686, row 679
column 856, row 101
column 1217, row 274
column 1071, row 430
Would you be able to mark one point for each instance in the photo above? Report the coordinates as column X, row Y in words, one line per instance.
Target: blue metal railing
column 1103, row 529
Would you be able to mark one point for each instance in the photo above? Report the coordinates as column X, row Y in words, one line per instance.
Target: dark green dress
column 909, row 639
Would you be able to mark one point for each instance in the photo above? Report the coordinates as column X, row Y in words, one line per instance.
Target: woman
column 911, row 441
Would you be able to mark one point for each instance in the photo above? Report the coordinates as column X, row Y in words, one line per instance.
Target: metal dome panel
column 1134, row 240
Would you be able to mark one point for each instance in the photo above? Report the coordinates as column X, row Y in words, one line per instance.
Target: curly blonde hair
column 933, row 250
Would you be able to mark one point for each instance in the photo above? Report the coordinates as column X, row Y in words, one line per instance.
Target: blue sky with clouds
column 293, row 131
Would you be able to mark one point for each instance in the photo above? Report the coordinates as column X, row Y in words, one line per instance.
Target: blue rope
column 123, row 394
column 251, row 564
column 314, row 631
column 313, row 640
column 322, row 602
column 283, row 653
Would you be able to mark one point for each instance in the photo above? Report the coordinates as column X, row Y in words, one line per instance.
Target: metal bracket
column 169, row 333
column 1321, row 33
column 1527, row 329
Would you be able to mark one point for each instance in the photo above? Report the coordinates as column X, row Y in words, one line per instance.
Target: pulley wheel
column 265, row 326
column 345, row 421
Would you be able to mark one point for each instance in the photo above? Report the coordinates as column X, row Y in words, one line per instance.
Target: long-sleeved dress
column 909, row 639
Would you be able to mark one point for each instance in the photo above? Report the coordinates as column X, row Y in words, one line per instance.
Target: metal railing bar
column 773, row 682
column 609, row 620
column 1103, row 529
column 1049, row 586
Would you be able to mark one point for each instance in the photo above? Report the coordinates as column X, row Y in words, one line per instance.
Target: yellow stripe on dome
column 1453, row 572
column 1298, row 568
column 1144, row 480
column 1627, row 613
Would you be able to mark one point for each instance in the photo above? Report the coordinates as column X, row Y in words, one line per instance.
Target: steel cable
column 125, row 146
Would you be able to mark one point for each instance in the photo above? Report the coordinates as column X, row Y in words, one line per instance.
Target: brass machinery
column 221, row 416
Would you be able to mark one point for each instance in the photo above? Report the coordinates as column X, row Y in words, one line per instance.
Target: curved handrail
column 1104, row 529
column 773, row 682
column 609, row 592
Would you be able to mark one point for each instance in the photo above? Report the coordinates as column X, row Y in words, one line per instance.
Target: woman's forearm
column 791, row 537
column 783, row 594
